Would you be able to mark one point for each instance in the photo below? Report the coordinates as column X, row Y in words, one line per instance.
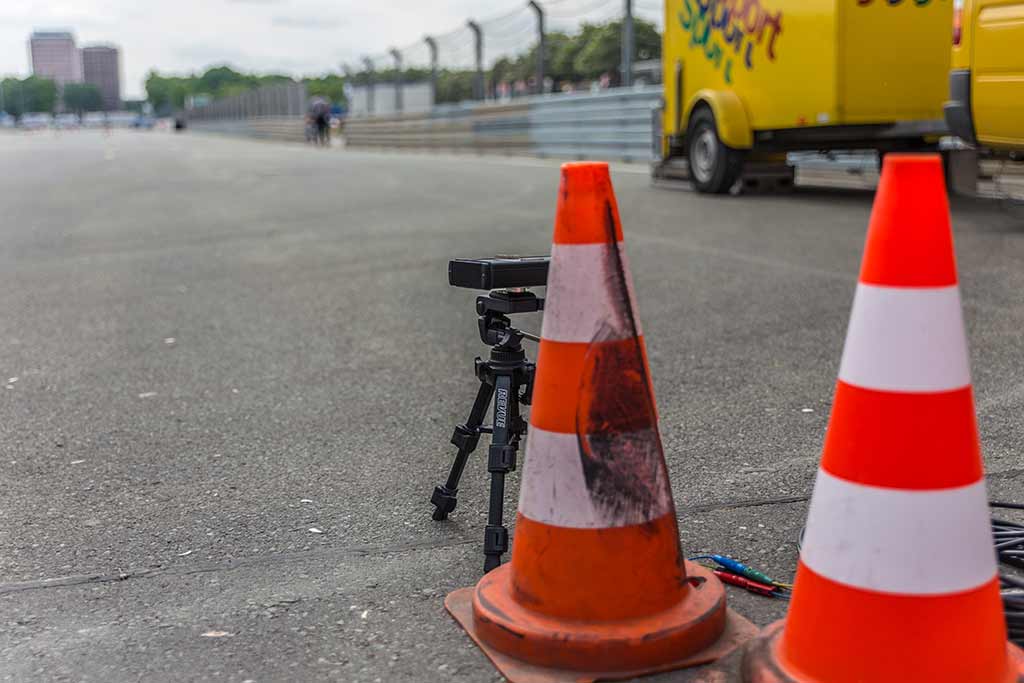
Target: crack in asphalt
column 286, row 558
column 241, row 563
column 359, row 551
column 754, row 503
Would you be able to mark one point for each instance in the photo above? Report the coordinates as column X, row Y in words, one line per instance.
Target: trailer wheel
column 714, row 166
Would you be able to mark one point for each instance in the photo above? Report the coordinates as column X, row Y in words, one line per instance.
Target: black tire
column 714, row 166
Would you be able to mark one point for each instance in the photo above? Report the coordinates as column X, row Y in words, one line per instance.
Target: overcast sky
column 301, row 37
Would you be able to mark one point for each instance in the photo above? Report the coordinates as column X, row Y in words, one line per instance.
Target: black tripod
column 508, row 378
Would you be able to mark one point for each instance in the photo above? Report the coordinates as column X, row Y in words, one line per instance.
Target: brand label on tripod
column 501, row 409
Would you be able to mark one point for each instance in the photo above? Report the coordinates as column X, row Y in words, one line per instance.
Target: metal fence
column 281, row 99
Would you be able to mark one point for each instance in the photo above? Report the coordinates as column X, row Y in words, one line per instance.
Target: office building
column 101, row 66
column 55, row 56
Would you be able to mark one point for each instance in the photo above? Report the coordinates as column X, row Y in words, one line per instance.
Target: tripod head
column 496, row 328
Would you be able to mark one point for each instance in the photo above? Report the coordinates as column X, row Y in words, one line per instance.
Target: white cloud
column 304, row 23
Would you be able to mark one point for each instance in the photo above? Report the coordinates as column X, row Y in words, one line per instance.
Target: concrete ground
column 213, row 347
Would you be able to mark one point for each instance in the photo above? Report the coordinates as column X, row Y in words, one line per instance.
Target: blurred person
column 320, row 112
column 310, row 129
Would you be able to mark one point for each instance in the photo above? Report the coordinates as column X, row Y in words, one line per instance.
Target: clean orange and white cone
column 597, row 584
column 897, row 579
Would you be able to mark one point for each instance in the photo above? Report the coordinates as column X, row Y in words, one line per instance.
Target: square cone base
column 738, row 630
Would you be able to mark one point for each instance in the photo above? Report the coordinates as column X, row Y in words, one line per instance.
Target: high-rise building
column 101, row 65
column 55, row 56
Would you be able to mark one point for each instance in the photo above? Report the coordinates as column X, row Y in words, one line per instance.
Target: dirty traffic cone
column 597, row 586
column 897, row 577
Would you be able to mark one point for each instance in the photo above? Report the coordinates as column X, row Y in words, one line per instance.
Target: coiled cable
column 1009, row 541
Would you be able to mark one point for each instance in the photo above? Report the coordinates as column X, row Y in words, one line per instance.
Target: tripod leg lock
column 501, row 459
column 444, row 502
column 495, row 540
column 465, row 438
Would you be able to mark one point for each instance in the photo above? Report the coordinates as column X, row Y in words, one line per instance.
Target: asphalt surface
column 221, row 345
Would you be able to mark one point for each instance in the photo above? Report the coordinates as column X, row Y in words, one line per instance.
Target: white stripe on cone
column 906, row 340
column 554, row 489
column 586, row 307
column 933, row 542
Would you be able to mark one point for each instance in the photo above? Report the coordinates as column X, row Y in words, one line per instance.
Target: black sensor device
column 499, row 273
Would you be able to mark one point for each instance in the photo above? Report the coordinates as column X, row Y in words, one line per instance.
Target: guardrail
column 613, row 124
column 284, row 128
column 499, row 128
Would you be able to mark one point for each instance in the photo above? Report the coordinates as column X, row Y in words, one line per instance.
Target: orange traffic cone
column 897, row 577
column 597, row 586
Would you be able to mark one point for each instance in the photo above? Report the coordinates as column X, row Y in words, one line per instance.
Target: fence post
column 432, row 44
column 370, row 86
column 479, row 92
column 398, row 80
column 540, row 46
column 627, row 45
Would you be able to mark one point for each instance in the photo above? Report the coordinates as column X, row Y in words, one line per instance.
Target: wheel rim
column 704, row 155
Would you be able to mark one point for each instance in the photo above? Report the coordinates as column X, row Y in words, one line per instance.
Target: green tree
column 82, row 97
column 32, row 94
column 13, row 97
column 556, row 44
column 602, row 49
column 647, row 40
column 218, row 78
column 454, row 86
column 167, row 93
column 563, row 55
column 504, row 69
column 40, row 94
column 331, row 87
column 524, row 66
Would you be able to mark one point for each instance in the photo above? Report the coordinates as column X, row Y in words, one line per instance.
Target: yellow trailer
column 746, row 80
column 986, row 84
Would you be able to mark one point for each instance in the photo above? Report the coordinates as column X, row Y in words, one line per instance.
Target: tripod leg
column 466, row 438
column 500, row 461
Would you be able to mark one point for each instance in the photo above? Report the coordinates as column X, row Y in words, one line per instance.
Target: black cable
column 1009, row 543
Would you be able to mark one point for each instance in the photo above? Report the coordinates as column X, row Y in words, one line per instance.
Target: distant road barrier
column 612, row 124
column 278, row 99
column 272, row 112
column 468, row 127
column 285, row 128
